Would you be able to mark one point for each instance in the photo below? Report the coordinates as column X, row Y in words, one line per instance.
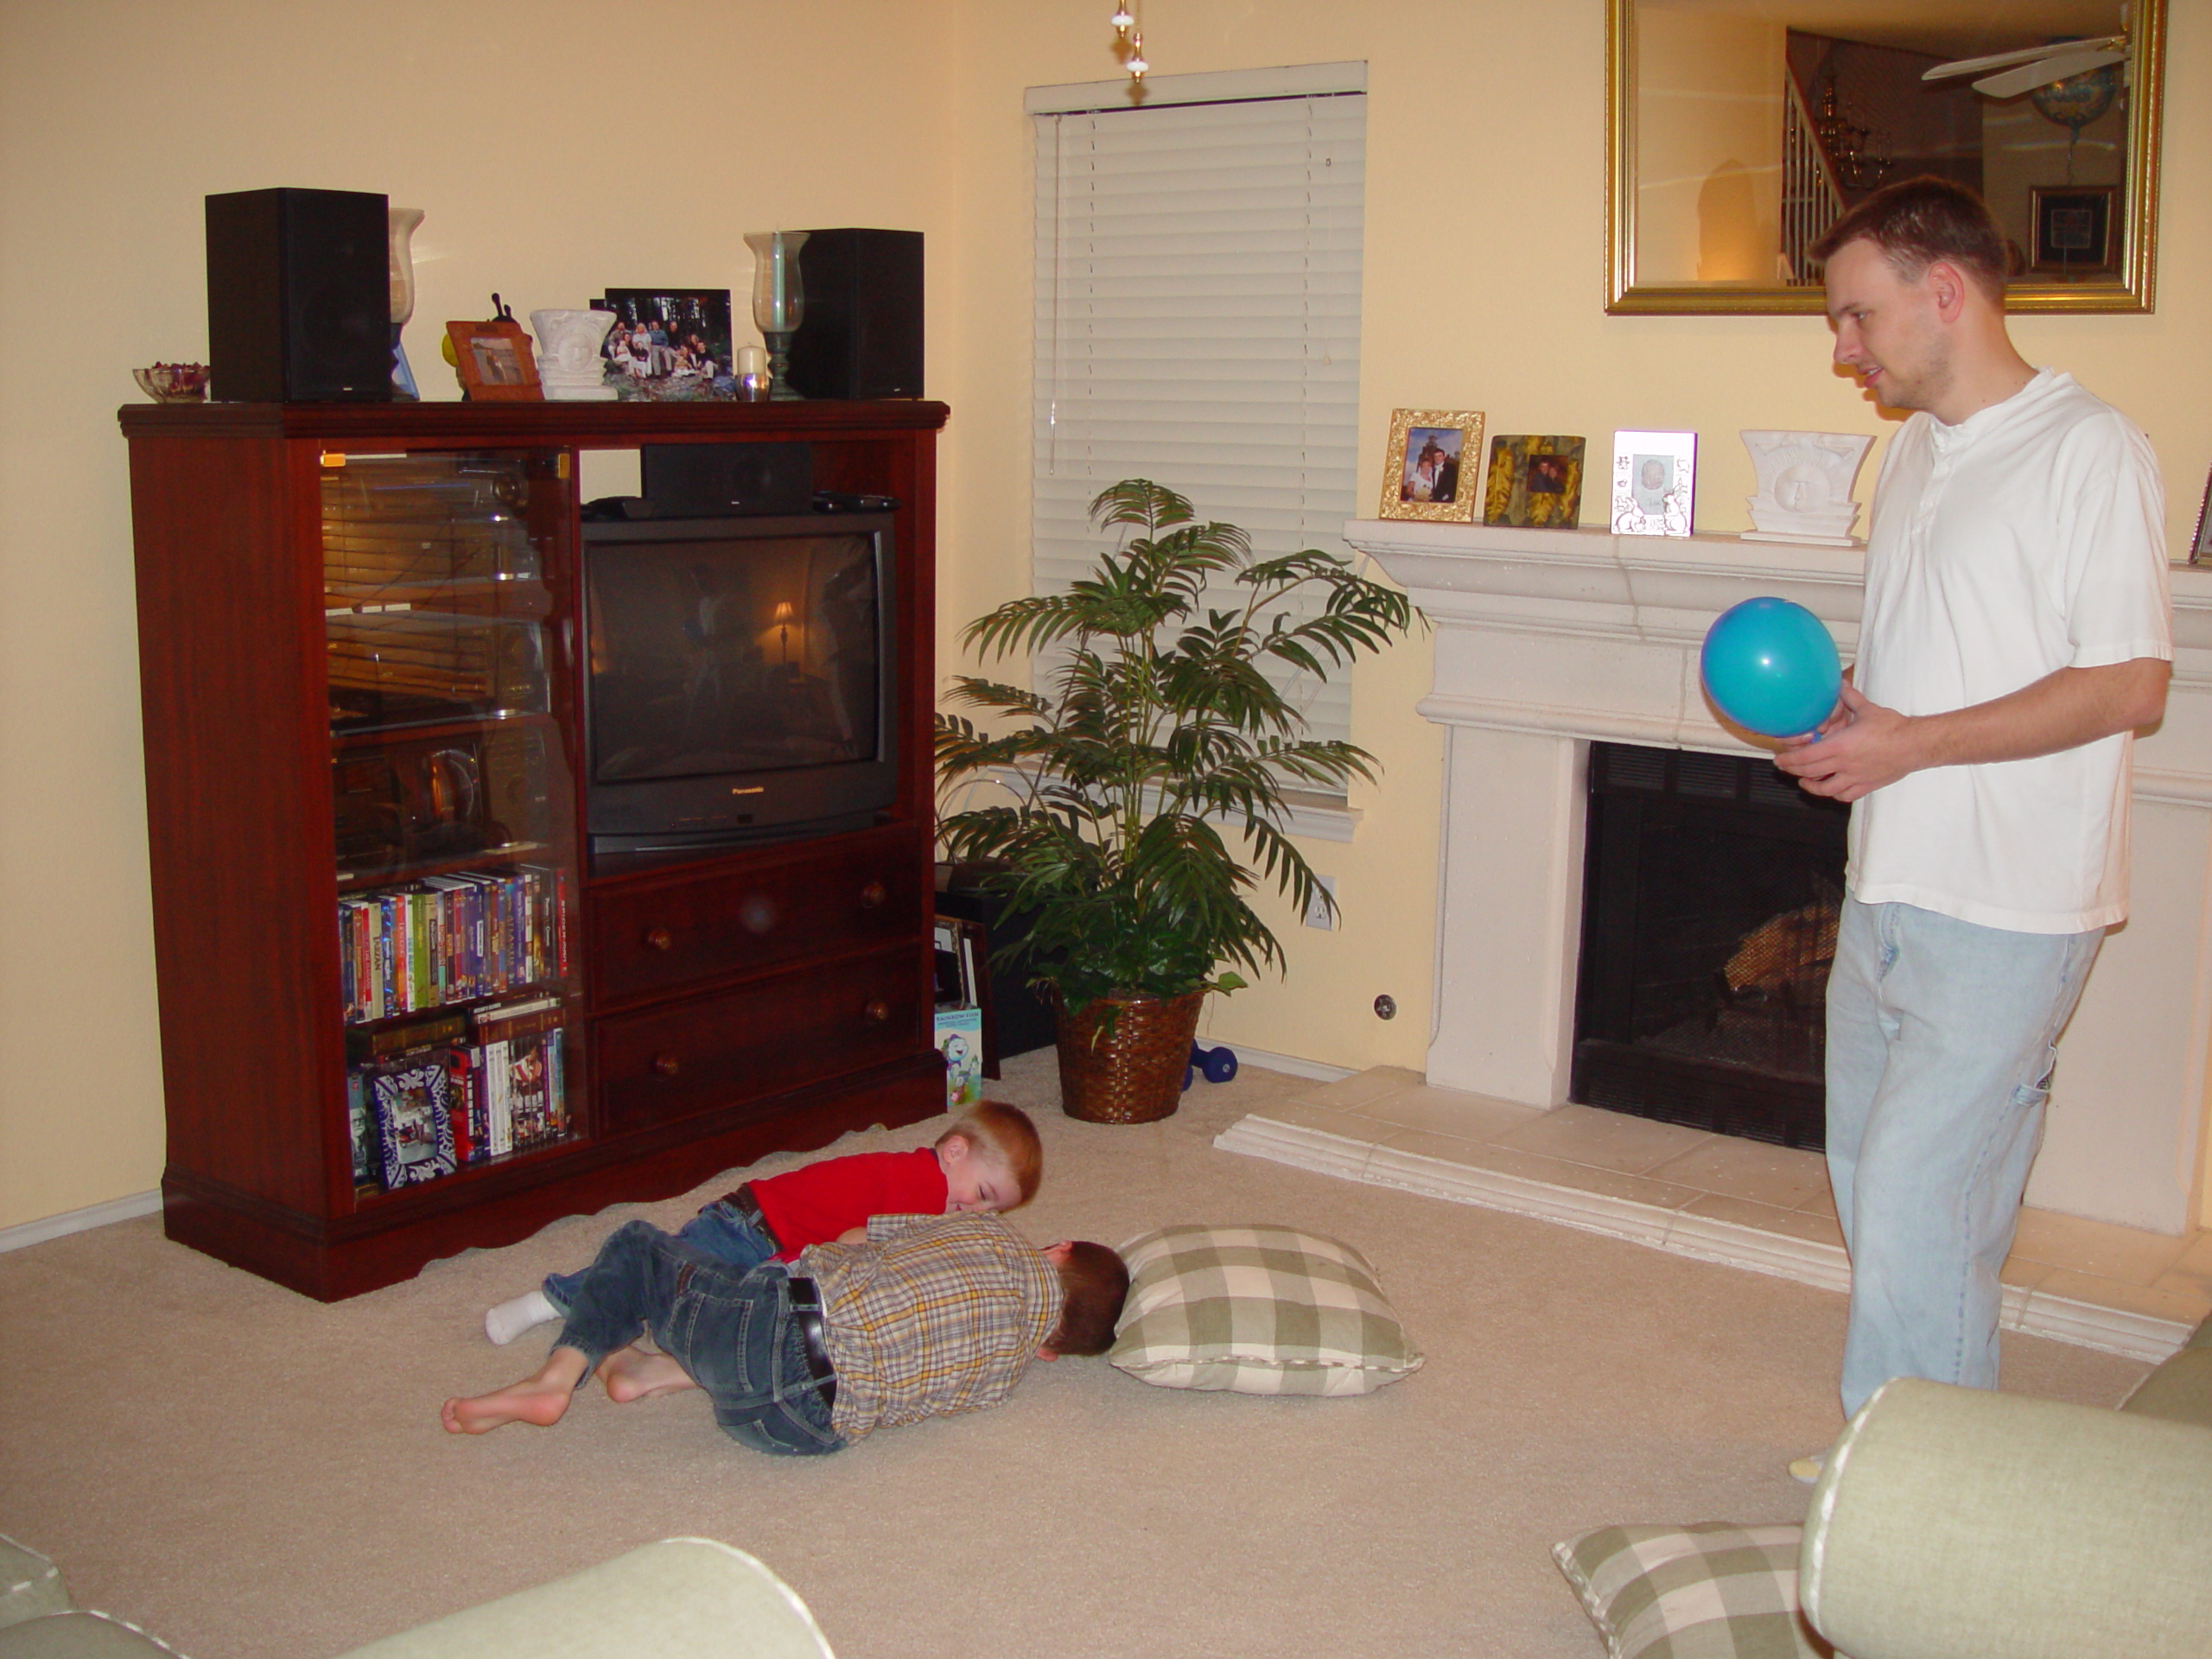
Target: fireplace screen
column 1712, row 888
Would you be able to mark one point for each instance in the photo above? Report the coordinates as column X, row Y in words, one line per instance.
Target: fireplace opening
column 1712, row 887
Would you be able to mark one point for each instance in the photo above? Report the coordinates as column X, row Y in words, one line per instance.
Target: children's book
column 960, row 1040
column 412, row 1104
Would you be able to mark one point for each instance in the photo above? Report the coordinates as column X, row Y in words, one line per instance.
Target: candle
column 750, row 359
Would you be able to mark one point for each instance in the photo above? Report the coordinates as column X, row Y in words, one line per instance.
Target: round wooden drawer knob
column 876, row 1011
column 667, row 1064
column 873, row 895
column 661, row 939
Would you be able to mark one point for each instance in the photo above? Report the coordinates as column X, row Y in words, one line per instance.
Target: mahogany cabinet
column 363, row 710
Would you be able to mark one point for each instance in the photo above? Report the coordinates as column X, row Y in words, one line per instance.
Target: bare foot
column 539, row 1399
column 634, row 1374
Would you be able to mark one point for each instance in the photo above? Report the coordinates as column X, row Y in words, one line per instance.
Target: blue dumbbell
column 1219, row 1065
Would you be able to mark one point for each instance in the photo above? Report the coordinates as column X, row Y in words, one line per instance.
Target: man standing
column 2015, row 634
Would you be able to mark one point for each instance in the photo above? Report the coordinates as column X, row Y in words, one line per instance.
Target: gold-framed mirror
column 1739, row 129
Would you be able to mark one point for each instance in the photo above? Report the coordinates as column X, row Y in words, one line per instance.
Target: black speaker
column 861, row 332
column 708, row 480
column 299, row 297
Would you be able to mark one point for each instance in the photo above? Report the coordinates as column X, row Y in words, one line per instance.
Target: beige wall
column 1485, row 180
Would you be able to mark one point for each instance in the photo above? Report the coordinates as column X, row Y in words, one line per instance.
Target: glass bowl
column 173, row 383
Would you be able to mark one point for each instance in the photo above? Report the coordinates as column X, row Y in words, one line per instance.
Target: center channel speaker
column 299, row 297
column 708, row 481
column 861, row 332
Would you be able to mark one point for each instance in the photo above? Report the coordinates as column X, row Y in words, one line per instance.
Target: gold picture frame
column 1433, row 469
column 495, row 362
column 1534, row 482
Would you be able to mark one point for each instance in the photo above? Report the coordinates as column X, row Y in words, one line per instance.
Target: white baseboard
column 78, row 1221
column 1271, row 1062
column 1806, row 1261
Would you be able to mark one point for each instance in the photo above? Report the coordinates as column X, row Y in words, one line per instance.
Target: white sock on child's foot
column 510, row 1319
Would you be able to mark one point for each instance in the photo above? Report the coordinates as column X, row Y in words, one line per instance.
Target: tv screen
column 738, row 678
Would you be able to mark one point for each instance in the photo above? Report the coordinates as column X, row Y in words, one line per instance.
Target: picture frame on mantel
column 1653, row 483
column 1535, row 482
column 495, row 362
column 1433, row 469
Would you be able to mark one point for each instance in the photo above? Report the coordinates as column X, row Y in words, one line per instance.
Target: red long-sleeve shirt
column 815, row 1203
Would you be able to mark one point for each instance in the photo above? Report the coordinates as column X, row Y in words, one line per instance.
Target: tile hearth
column 1743, row 1203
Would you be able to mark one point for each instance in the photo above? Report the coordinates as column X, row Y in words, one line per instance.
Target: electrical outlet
column 1318, row 913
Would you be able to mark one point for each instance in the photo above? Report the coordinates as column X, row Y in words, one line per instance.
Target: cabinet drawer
column 840, row 896
column 771, row 1035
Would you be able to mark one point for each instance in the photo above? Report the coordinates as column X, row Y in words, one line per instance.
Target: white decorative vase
column 1805, row 482
column 569, row 368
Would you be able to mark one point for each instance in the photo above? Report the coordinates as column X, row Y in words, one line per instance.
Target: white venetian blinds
column 1198, row 277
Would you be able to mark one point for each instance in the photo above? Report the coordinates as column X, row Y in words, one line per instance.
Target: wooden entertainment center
column 692, row 1012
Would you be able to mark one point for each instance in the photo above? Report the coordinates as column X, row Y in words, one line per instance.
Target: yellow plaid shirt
column 932, row 1315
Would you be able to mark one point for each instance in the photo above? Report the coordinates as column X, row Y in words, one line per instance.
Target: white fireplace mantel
column 1545, row 639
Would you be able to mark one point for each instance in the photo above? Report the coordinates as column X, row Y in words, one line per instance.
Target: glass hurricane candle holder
column 778, row 299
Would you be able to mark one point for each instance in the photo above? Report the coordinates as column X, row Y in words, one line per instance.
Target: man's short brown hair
column 1917, row 221
column 1004, row 1134
column 1093, row 1283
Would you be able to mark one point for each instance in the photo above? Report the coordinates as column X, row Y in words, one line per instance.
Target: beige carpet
column 255, row 1476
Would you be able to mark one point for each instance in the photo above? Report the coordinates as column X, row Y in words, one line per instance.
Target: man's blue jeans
column 721, row 1229
column 730, row 1330
column 1941, row 1038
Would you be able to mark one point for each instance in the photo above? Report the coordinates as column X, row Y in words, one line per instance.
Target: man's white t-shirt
column 2028, row 538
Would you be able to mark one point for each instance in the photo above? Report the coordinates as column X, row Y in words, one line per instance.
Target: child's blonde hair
column 1006, row 1135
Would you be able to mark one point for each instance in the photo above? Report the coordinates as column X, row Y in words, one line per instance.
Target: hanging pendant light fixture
column 1128, row 41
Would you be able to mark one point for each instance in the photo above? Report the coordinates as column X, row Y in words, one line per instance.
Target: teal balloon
column 1770, row 666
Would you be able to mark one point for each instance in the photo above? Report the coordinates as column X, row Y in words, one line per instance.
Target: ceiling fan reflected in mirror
column 2032, row 67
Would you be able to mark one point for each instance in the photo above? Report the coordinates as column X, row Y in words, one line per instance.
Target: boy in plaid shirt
column 928, row 1316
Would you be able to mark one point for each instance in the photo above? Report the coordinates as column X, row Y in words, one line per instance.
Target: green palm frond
column 1148, row 773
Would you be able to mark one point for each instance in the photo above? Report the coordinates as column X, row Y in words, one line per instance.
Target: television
column 740, row 678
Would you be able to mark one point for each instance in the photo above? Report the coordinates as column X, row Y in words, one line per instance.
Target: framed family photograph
column 495, row 362
column 2200, row 545
column 1535, row 482
column 1430, row 470
column 2072, row 228
column 670, row 344
column 1655, row 483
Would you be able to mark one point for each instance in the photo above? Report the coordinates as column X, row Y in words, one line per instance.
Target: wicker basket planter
column 1134, row 1074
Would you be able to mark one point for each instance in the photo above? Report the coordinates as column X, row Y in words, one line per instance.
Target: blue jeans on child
column 731, row 1329
column 721, row 1229
column 1942, row 1035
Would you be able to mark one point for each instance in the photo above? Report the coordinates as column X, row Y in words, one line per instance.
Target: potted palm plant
column 1148, row 773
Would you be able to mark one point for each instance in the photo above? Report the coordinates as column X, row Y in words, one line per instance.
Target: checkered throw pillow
column 1258, row 1310
column 1707, row 1592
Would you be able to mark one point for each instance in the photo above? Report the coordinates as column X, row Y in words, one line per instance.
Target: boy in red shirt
column 990, row 1159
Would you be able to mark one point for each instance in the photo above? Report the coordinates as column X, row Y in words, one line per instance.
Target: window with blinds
column 1198, row 281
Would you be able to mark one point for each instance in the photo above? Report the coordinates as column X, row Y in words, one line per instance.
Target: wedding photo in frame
column 495, row 360
column 1432, row 468
column 1653, row 483
column 1534, row 482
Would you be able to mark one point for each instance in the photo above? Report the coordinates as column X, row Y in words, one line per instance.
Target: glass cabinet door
column 453, row 805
